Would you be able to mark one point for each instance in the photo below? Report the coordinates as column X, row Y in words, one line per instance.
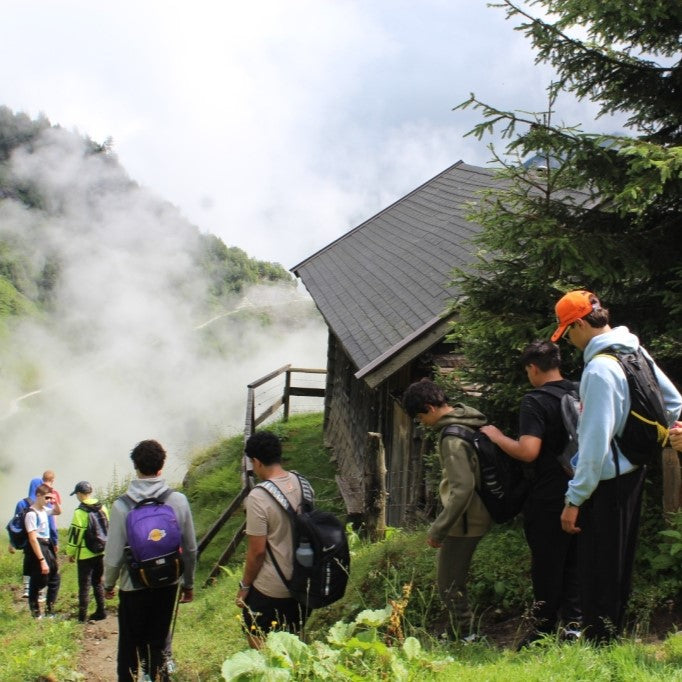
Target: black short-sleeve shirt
column 540, row 416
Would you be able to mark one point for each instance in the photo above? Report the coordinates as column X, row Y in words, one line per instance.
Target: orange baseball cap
column 571, row 307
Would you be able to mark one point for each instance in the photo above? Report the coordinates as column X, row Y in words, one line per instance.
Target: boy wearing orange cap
column 603, row 499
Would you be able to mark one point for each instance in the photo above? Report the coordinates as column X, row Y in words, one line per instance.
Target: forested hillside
column 32, row 211
column 120, row 320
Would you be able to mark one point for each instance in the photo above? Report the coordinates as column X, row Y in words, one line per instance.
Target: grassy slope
column 13, row 304
column 208, row 629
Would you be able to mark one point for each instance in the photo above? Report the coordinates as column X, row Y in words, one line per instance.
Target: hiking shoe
column 570, row 635
column 97, row 615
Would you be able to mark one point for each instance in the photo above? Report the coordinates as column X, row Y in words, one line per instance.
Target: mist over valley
column 119, row 320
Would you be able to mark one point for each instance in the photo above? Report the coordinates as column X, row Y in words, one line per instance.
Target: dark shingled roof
column 385, row 281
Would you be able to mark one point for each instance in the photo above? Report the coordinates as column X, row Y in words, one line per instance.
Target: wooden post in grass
column 672, row 481
column 375, row 488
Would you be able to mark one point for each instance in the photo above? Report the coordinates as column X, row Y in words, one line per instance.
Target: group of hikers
column 581, row 525
column 580, row 520
column 146, row 543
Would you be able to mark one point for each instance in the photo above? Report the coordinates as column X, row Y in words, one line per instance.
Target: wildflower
column 395, row 626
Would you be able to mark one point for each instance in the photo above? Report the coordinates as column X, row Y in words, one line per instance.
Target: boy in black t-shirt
column 542, row 437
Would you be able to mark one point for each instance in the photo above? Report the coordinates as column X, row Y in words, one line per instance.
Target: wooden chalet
column 382, row 289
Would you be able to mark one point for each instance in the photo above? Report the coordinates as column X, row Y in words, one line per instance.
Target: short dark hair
column 420, row 394
column 599, row 317
column 544, row 354
column 265, row 446
column 148, row 457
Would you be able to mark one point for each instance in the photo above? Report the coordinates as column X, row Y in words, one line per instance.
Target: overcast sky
column 276, row 124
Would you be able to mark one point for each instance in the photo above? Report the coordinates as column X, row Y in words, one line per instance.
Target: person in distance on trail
column 90, row 564
column 23, row 503
column 542, row 437
column 464, row 519
column 41, row 559
column 48, row 479
column 265, row 601
column 603, row 508
column 145, row 614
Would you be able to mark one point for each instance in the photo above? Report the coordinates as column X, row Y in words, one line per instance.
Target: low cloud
column 131, row 350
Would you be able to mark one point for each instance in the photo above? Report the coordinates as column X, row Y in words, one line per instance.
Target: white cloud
column 125, row 355
column 264, row 122
column 275, row 125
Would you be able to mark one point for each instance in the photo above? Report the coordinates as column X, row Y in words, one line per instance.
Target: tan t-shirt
column 265, row 517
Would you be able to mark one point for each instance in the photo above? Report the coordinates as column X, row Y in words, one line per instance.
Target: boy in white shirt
column 41, row 558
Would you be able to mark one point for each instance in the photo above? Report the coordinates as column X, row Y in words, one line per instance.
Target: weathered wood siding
column 352, row 410
column 350, row 413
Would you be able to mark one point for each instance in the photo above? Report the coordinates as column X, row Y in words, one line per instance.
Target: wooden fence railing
column 254, row 419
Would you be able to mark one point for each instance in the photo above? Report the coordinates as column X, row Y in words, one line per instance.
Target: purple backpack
column 153, row 552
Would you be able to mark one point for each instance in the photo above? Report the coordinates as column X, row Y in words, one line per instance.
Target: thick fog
column 131, row 351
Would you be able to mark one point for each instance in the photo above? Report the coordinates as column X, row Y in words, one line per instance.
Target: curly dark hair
column 148, row 457
column 420, row 394
column 265, row 446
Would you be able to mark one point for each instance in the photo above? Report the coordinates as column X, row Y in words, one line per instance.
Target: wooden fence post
column 375, row 488
column 287, row 393
column 251, row 422
column 672, row 481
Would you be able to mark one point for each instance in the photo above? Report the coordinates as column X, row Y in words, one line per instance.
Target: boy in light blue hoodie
column 601, row 506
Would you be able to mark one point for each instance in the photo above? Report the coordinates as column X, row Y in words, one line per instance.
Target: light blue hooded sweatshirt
column 605, row 404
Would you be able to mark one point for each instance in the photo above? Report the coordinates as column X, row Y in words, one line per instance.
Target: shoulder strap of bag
column 555, row 391
column 131, row 504
column 272, row 489
column 458, row 431
column 307, row 494
column 275, row 492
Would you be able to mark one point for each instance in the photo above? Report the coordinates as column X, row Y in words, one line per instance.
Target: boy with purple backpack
column 151, row 543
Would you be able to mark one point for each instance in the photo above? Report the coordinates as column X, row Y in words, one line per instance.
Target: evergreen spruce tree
column 595, row 211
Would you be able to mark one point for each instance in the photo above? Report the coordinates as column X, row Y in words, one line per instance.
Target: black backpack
column 570, row 411
column 321, row 554
column 97, row 530
column 503, row 487
column 16, row 527
column 646, row 429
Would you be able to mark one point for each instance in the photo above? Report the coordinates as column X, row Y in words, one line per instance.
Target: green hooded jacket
column 460, row 476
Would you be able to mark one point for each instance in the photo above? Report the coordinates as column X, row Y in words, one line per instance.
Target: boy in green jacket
column 464, row 519
column 90, row 559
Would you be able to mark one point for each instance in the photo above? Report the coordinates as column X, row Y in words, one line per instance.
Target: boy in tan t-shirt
column 263, row 596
